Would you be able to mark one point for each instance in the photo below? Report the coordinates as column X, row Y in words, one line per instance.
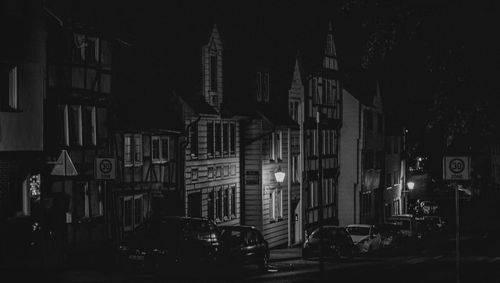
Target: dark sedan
column 167, row 243
column 244, row 245
column 336, row 243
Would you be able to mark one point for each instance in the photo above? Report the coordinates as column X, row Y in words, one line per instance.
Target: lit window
column 159, row 149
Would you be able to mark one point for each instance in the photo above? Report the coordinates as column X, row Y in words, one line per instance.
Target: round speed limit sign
column 456, row 168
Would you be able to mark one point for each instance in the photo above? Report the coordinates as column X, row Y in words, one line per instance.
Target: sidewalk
column 287, row 253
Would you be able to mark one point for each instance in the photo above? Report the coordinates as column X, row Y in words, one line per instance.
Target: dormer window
column 213, row 71
column 329, row 45
column 262, row 90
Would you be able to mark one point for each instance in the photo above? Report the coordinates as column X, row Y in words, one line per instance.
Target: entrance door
column 194, row 204
column 297, row 227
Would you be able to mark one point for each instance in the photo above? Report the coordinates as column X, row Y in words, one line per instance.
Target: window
column 388, row 179
column 127, row 213
column 194, row 174
column 276, row 201
column 213, row 72
column 193, row 139
column 232, row 137
column 159, row 149
column 210, row 172
column 232, row 170
column 295, row 169
column 138, row 213
column 225, row 137
column 210, row 204
column 329, row 45
column 265, row 87
column 312, row 195
column 218, row 172
column 155, row 149
column 278, row 147
column 210, row 138
column 218, row 138
column 258, row 90
column 226, row 201
column 272, row 149
column 9, row 88
column 218, row 203
column 63, row 124
column 137, row 149
column 89, row 126
column 75, row 124
column 132, row 147
column 226, row 171
column 87, row 48
column 127, row 147
column 232, row 192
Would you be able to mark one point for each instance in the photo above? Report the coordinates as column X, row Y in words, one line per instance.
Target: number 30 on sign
column 456, row 168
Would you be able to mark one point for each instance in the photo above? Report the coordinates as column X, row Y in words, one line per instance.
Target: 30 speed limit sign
column 456, row 168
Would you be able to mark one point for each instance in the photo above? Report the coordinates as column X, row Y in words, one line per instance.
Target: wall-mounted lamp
column 279, row 175
column 410, row 185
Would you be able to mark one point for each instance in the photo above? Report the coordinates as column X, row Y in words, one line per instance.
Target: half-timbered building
column 321, row 124
column 76, row 131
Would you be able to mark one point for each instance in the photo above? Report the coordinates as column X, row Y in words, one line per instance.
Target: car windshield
column 402, row 224
column 358, row 231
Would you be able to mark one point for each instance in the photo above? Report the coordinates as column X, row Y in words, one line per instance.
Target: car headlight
column 122, row 248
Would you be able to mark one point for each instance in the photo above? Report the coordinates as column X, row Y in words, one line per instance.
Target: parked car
column 365, row 237
column 406, row 223
column 168, row 242
column 244, row 245
column 391, row 236
column 336, row 243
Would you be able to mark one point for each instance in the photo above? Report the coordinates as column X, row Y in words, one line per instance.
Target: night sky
column 432, row 58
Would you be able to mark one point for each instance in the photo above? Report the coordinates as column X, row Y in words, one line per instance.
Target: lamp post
column 410, row 186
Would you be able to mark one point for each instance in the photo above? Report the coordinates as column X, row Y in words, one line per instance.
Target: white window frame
column 153, row 149
column 128, row 162
column 272, row 149
column 137, row 149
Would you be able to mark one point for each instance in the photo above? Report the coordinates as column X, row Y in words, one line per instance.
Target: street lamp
column 410, row 185
column 279, row 175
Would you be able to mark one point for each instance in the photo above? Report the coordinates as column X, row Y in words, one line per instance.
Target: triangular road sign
column 64, row 166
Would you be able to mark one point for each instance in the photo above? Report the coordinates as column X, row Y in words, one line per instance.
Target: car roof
column 360, row 225
column 237, row 227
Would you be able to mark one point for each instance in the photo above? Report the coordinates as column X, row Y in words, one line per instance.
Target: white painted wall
column 348, row 201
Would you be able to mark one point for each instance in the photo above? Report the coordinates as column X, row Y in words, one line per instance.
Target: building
column 76, row 132
column 394, row 196
column 22, row 79
column 373, row 157
column 212, row 154
column 317, row 62
column 351, row 142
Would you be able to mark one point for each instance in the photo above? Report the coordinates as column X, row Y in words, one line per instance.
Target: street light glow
column 279, row 175
column 410, row 185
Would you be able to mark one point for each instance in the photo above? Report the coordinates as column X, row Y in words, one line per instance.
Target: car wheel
column 264, row 264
